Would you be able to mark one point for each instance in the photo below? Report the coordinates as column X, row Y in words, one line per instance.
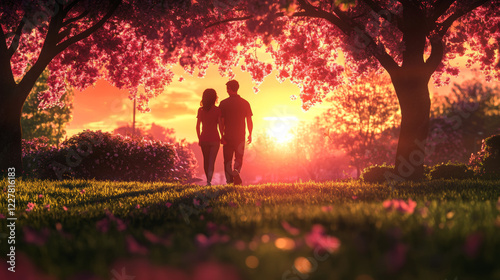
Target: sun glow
column 280, row 128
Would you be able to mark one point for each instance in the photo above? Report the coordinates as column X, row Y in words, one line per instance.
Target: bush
column 376, row 173
column 451, row 171
column 486, row 162
column 103, row 156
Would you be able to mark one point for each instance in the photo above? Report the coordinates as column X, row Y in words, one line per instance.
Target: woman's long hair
column 209, row 98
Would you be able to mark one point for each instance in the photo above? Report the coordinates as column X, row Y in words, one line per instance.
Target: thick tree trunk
column 10, row 126
column 414, row 100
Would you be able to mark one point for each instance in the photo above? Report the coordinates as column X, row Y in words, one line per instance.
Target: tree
column 361, row 120
column 128, row 42
column 51, row 122
column 412, row 40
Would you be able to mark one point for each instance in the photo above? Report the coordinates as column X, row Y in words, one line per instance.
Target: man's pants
column 209, row 150
column 230, row 150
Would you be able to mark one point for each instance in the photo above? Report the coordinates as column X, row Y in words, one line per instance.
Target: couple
column 229, row 118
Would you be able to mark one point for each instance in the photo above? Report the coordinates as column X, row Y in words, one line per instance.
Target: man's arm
column 250, row 129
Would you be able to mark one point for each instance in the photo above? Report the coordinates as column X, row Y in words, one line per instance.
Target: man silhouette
column 234, row 111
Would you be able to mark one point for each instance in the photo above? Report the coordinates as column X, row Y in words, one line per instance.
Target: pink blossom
column 354, row 197
column 400, row 205
column 289, row 228
column 47, row 207
column 317, row 238
column 137, row 206
column 258, row 203
column 2, row 216
column 31, row 206
column 326, row 208
column 168, row 204
column 65, row 208
column 196, row 202
column 40, row 195
column 134, row 247
column 82, row 191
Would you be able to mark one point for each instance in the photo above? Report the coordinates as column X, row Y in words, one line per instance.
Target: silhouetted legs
column 230, row 150
column 209, row 150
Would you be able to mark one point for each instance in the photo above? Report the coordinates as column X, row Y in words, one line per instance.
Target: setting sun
column 280, row 128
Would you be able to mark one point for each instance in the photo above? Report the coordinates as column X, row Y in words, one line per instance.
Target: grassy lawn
column 336, row 230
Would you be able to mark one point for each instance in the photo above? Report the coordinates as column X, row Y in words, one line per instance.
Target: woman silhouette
column 209, row 138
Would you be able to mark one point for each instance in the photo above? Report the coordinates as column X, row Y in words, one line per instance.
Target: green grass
column 431, row 243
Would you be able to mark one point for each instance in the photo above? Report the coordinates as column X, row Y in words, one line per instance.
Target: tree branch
column 436, row 56
column 15, row 41
column 6, row 76
column 448, row 22
column 440, row 7
column 74, row 19
column 63, row 45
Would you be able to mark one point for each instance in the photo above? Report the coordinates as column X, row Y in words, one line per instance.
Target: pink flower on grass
column 30, row 206
column 137, row 206
column 40, row 196
column 326, row 208
column 82, row 191
column 289, row 228
column 47, row 207
column 196, row 202
column 2, row 216
column 134, row 247
column 354, row 197
column 400, row 205
column 258, row 203
column 317, row 239
column 168, row 204
column 65, row 208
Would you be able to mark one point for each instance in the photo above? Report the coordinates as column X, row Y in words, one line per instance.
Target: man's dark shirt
column 234, row 110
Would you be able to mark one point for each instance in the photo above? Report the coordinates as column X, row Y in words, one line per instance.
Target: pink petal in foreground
column 289, row 228
column 134, row 247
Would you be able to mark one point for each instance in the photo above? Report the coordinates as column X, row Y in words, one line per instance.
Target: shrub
column 486, row 162
column 103, row 156
column 450, row 171
column 376, row 173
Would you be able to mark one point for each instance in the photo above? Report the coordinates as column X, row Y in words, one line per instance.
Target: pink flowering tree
column 320, row 45
column 130, row 43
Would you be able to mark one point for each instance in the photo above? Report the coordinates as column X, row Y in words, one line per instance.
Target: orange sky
column 105, row 107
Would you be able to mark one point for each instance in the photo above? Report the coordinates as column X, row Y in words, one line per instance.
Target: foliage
column 451, row 171
column 51, row 122
column 461, row 119
column 106, row 226
column 377, row 173
column 103, row 156
column 155, row 132
column 486, row 162
column 362, row 120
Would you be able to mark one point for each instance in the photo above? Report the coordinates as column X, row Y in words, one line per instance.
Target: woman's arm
column 198, row 123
